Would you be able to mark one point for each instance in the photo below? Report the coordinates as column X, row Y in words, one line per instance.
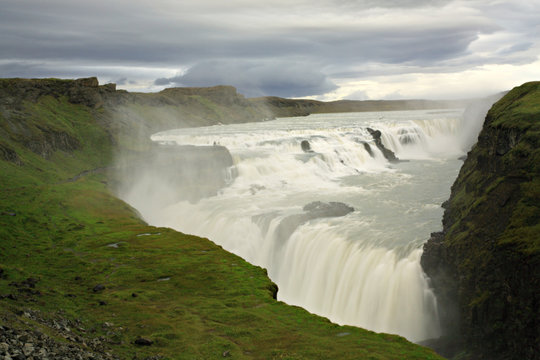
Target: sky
column 319, row 49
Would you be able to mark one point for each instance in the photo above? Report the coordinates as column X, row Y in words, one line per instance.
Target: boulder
column 306, row 147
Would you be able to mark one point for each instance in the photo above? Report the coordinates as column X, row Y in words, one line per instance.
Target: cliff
column 81, row 275
column 485, row 264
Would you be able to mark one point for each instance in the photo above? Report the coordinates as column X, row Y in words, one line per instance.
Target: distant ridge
column 196, row 106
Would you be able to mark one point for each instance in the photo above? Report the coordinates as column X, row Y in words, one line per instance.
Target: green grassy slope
column 61, row 226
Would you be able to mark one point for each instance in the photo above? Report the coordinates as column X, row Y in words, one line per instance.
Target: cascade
column 358, row 267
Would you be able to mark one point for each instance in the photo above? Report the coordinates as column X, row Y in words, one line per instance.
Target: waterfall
column 358, row 268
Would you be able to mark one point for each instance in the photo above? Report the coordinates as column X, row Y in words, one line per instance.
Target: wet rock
column 306, row 146
column 388, row 154
column 255, row 188
column 318, row 209
column 313, row 210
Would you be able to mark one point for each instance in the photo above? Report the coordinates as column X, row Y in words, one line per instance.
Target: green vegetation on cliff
column 71, row 251
column 488, row 257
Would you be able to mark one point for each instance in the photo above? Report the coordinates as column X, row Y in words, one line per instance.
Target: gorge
column 58, row 143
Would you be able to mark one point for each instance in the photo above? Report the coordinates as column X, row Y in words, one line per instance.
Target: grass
column 188, row 295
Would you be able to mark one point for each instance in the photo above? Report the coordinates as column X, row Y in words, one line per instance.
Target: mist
column 473, row 119
column 168, row 174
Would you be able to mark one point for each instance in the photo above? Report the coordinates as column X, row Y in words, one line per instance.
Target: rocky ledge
column 55, row 337
column 485, row 264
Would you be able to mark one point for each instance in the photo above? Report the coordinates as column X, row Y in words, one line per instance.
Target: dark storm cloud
column 75, row 36
column 287, row 79
column 290, row 40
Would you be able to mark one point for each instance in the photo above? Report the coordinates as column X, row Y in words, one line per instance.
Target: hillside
column 280, row 107
column 82, row 276
column 485, row 264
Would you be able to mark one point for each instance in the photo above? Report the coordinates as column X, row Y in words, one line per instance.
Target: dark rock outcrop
column 8, row 154
column 47, row 141
column 388, row 154
column 86, row 91
column 485, row 265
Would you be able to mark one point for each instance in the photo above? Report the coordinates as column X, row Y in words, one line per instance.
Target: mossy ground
column 188, row 295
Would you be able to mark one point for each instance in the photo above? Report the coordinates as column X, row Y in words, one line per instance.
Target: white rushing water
column 361, row 269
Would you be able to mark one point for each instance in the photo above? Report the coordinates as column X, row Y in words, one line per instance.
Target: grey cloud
column 57, row 33
column 42, row 69
column 120, row 81
column 392, row 3
column 260, row 46
column 279, row 78
column 11, row 69
column 18, row 69
column 358, row 95
column 163, row 81
column 516, row 48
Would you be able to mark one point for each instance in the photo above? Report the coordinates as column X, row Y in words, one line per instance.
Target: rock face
column 84, row 91
column 485, row 264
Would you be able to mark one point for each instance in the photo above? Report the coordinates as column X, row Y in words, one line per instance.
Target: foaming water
column 362, row 268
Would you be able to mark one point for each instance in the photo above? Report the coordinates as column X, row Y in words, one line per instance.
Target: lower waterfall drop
column 358, row 267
